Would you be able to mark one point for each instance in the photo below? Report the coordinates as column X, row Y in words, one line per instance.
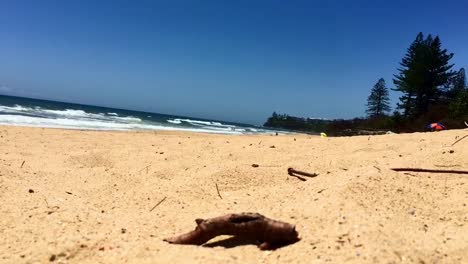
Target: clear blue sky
column 229, row 60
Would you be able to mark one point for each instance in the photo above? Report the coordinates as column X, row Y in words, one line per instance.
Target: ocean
column 21, row 111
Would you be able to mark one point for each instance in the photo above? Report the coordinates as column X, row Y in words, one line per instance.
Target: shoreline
column 169, row 131
column 43, row 113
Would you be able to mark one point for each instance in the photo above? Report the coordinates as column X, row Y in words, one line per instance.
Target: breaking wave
column 40, row 116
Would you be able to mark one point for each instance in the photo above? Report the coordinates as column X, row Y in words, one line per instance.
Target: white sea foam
column 128, row 119
column 14, row 109
column 175, row 121
column 91, row 124
column 198, row 122
column 68, row 112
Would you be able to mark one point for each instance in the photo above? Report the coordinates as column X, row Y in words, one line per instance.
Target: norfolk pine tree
column 378, row 100
column 424, row 71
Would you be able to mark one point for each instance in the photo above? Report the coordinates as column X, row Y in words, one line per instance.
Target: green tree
column 459, row 106
column 378, row 102
column 459, row 81
column 424, row 71
column 406, row 80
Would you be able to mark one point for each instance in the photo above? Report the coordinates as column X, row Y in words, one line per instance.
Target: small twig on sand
column 22, row 164
column 269, row 166
column 459, row 140
column 51, row 209
column 145, row 168
column 378, row 168
column 447, row 166
column 321, row 191
column 293, row 172
column 430, row 170
column 47, row 204
column 217, row 189
column 299, row 177
column 160, row 202
column 445, row 186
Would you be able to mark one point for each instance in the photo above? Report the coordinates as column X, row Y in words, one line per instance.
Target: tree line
column 431, row 91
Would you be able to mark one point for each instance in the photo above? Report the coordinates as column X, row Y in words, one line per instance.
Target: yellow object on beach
column 323, row 135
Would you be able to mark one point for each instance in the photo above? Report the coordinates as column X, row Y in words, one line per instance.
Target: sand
column 86, row 196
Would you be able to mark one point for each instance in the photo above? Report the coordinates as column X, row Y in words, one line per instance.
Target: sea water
column 21, row 111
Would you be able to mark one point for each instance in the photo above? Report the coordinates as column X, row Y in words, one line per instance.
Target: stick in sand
column 217, row 189
column 297, row 176
column 430, row 170
column 272, row 166
column 459, row 140
column 160, row 202
column 145, row 168
column 292, row 171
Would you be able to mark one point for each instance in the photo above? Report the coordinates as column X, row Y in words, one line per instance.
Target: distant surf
column 43, row 113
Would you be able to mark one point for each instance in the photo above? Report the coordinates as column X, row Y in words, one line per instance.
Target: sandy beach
column 70, row 196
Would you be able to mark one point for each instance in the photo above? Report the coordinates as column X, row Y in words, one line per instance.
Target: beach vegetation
column 424, row 72
column 378, row 102
column 431, row 91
